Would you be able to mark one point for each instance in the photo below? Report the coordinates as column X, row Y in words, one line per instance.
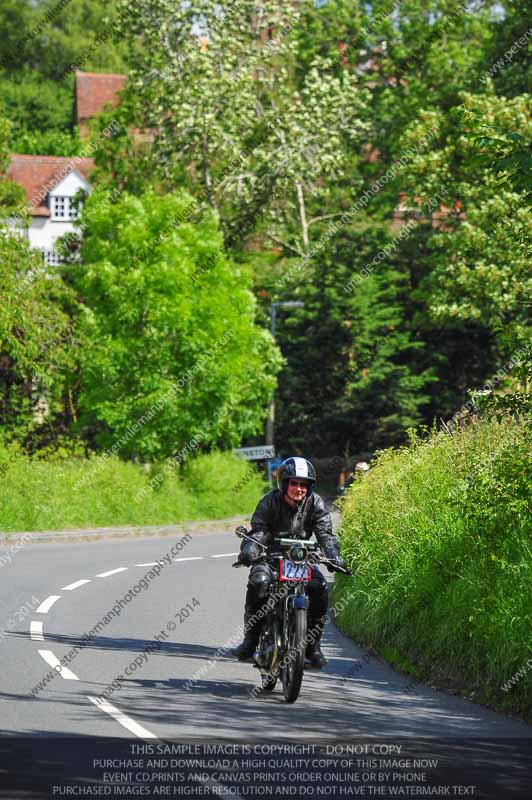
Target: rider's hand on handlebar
column 335, row 562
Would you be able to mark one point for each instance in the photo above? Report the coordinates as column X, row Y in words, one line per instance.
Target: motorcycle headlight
column 298, row 553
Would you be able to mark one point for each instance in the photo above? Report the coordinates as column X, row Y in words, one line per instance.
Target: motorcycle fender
column 298, row 601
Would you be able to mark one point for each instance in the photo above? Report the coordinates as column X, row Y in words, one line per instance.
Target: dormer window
column 63, row 208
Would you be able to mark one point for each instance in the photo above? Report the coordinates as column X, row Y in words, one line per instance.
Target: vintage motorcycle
column 284, row 638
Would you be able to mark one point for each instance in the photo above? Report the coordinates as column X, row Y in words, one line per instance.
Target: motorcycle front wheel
column 292, row 672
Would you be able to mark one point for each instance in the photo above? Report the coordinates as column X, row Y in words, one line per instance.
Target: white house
column 51, row 184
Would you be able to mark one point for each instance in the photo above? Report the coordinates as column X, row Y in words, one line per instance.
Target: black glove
column 336, row 561
column 250, row 552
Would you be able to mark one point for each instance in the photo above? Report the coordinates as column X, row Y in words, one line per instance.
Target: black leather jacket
column 274, row 516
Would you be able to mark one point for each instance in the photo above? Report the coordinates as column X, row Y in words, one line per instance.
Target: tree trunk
column 303, row 216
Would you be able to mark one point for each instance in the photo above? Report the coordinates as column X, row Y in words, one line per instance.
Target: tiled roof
column 39, row 174
column 94, row 90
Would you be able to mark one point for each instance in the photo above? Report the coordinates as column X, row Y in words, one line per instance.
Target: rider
column 295, row 510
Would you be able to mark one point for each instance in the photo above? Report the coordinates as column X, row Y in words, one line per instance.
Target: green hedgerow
column 439, row 536
column 79, row 493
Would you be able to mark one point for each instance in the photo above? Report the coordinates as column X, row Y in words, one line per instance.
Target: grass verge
column 439, row 536
column 80, row 493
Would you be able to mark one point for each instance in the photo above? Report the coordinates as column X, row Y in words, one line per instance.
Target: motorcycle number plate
column 289, row 571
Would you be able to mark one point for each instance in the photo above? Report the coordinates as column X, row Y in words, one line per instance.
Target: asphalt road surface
column 158, row 644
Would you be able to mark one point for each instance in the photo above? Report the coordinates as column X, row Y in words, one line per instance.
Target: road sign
column 258, row 453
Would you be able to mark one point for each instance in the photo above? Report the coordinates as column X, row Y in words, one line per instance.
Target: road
column 54, row 595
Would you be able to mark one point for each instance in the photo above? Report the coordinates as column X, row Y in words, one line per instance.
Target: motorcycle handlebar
column 330, row 564
column 337, row 568
column 242, row 533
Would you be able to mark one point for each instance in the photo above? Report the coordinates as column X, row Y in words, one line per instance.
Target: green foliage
column 48, row 36
column 373, row 361
column 49, row 143
column 169, row 325
column 333, row 31
column 279, row 124
column 81, row 493
column 252, row 144
column 35, row 105
column 388, row 385
column 479, row 268
column 11, row 195
column 507, row 59
column 439, row 535
column 36, row 341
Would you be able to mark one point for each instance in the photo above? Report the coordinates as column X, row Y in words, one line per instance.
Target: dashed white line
column 111, row 572
column 149, row 564
column 47, row 604
column 54, row 662
column 36, row 631
column 190, row 558
column 224, row 555
column 75, row 585
column 122, row 718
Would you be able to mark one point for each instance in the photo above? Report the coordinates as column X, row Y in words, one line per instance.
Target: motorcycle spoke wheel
column 293, row 671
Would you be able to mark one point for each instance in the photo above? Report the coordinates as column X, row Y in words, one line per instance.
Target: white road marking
column 36, row 631
column 47, row 604
column 111, row 572
column 75, row 585
column 224, row 555
column 54, row 662
column 190, row 558
column 122, row 718
column 149, row 564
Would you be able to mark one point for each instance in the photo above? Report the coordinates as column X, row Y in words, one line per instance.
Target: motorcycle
column 284, row 638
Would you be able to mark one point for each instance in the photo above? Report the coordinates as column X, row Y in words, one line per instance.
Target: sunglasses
column 294, row 484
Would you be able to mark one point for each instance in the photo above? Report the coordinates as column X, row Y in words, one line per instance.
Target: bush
column 78, row 493
column 439, row 536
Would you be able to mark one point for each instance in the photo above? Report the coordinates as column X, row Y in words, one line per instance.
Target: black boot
column 313, row 651
column 246, row 650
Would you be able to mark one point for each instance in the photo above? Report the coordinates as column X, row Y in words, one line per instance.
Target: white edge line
column 36, row 631
column 47, row 604
column 122, row 718
column 190, row 558
column 224, row 555
column 54, row 662
column 75, row 585
column 111, row 572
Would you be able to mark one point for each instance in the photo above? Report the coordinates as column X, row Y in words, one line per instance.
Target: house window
column 51, row 257
column 63, row 208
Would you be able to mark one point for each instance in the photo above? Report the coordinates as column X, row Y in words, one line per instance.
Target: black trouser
column 261, row 577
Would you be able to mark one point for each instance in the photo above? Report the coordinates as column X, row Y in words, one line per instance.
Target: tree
column 36, row 336
column 36, row 344
column 173, row 353
column 35, row 105
column 225, row 108
column 507, row 59
column 11, row 195
column 332, row 30
column 48, row 36
column 357, row 334
column 479, row 263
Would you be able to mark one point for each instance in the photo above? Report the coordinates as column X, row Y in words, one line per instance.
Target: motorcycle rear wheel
column 292, row 673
